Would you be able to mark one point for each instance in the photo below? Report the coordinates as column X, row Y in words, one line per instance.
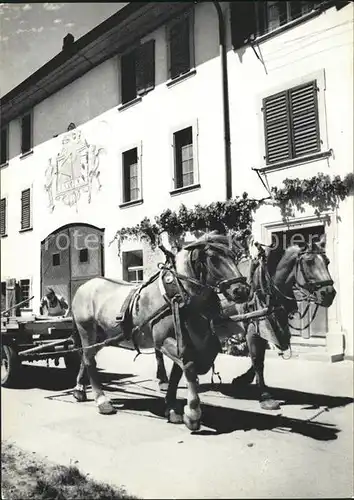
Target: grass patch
column 26, row 476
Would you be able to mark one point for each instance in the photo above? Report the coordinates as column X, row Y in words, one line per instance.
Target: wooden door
column 55, row 263
column 70, row 257
column 319, row 326
column 86, row 255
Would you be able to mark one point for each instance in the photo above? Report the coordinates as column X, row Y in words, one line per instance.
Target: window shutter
column 145, row 67
column 26, row 142
column 26, row 209
column 277, row 128
column 304, row 117
column 180, row 48
column 4, row 142
column 243, row 22
column 3, row 217
column 128, row 77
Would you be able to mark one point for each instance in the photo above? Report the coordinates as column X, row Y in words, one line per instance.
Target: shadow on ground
column 56, row 379
column 129, row 395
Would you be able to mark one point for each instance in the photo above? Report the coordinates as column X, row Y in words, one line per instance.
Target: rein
column 307, row 290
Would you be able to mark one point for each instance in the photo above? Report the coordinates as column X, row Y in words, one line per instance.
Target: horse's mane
column 218, row 242
column 279, row 264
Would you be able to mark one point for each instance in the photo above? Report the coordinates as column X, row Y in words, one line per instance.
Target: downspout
column 225, row 95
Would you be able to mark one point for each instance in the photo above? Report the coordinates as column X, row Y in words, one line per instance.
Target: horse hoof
column 106, row 408
column 192, row 425
column 270, row 404
column 173, row 417
column 80, row 396
column 163, row 386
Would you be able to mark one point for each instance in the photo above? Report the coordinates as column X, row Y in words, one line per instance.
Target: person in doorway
column 53, row 305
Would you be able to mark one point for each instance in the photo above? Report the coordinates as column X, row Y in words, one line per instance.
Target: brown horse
column 301, row 269
column 171, row 312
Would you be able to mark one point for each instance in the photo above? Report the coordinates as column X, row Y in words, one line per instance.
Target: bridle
column 199, row 280
column 307, row 289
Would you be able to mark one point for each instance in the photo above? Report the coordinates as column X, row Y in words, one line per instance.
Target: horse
column 171, row 312
column 304, row 269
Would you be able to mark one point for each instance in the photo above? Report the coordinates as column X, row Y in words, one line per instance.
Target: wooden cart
column 35, row 338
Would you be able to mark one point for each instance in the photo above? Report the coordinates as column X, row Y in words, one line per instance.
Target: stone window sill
column 184, row 189
column 181, row 78
column 128, row 104
column 295, row 161
column 26, row 229
column 27, row 153
column 131, row 203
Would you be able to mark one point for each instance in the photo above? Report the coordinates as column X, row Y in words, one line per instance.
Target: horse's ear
column 322, row 242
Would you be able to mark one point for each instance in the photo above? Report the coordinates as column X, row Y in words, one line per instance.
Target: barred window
column 291, row 123
column 25, row 287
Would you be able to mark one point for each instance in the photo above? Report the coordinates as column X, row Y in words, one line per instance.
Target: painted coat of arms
column 73, row 171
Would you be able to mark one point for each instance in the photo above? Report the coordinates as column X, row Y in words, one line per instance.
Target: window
column 181, row 49
column 3, row 227
column 83, row 255
column 25, row 288
column 26, row 137
column 183, row 152
column 255, row 18
column 133, row 266
column 131, row 176
column 4, row 152
column 138, row 71
column 26, row 209
column 56, row 259
column 291, row 123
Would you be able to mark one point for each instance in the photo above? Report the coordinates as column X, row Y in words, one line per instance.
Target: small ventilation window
column 83, row 255
column 56, row 259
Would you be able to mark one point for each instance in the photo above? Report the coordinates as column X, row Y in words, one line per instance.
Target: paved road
column 240, row 451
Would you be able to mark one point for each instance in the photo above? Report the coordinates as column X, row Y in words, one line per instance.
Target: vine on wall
column 236, row 215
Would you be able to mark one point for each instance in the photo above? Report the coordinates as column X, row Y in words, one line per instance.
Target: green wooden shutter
column 145, row 67
column 243, row 22
column 26, row 209
column 304, row 118
column 3, row 216
column 277, row 128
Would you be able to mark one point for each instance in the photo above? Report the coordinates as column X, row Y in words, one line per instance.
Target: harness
column 273, row 293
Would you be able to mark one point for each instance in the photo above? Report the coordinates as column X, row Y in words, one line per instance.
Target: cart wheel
column 10, row 366
column 72, row 363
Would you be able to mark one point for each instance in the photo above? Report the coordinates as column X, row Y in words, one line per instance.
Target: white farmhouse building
column 132, row 118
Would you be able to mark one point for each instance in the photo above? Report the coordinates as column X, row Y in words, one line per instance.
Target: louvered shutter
column 180, row 60
column 3, row 217
column 304, row 118
column 26, row 209
column 243, row 22
column 277, row 128
column 145, row 67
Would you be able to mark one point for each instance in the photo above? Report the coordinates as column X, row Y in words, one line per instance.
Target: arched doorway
column 70, row 256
